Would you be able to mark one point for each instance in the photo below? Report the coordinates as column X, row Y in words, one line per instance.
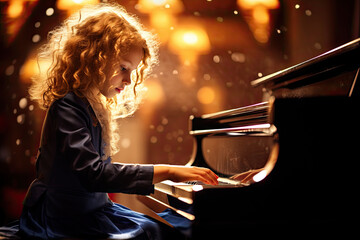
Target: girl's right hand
column 184, row 173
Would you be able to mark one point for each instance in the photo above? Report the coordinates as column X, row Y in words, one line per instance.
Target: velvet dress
column 69, row 196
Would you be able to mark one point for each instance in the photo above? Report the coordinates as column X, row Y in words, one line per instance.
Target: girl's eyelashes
column 121, row 69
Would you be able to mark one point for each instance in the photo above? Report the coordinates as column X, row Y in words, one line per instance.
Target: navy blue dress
column 69, row 196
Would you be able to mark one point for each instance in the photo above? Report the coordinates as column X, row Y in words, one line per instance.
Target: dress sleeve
column 74, row 142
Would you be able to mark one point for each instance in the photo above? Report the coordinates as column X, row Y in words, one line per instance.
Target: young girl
column 100, row 57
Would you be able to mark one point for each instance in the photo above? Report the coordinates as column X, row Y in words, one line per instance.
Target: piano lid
column 331, row 73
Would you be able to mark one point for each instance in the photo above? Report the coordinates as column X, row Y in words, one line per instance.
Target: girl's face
column 117, row 80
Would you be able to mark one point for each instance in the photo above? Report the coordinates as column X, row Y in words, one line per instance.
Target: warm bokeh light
column 159, row 2
column 261, row 15
column 155, row 92
column 74, row 5
column 155, row 98
column 272, row 4
column 190, row 38
column 162, row 15
column 206, row 95
column 258, row 16
column 149, row 6
column 14, row 16
column 162, row 20
column 188, row 42
column 32, row 67
column 15, row 8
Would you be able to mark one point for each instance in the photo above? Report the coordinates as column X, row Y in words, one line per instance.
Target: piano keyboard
column 185, row 190
column 222, row 182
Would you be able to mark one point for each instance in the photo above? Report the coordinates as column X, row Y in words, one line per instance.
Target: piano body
column 304, row 137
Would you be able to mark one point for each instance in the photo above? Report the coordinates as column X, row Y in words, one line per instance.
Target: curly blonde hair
column 80, row 50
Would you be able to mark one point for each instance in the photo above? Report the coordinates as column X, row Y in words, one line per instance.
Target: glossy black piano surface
column 305, row 136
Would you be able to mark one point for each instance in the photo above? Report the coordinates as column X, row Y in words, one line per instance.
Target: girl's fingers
column 182, row 173
column 210, row 176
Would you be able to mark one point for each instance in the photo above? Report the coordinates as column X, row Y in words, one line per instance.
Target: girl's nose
column 127, row 79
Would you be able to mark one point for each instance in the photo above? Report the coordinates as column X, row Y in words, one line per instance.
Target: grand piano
column 304, row 141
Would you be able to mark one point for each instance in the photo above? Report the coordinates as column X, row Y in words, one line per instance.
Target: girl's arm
column 183, row 173
column 76, row 154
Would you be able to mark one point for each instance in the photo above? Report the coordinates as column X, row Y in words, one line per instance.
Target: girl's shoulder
column 71, row 100
column 71, row 104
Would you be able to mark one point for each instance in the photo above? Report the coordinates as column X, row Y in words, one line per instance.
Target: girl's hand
column 246, row 177
column 184, row 173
